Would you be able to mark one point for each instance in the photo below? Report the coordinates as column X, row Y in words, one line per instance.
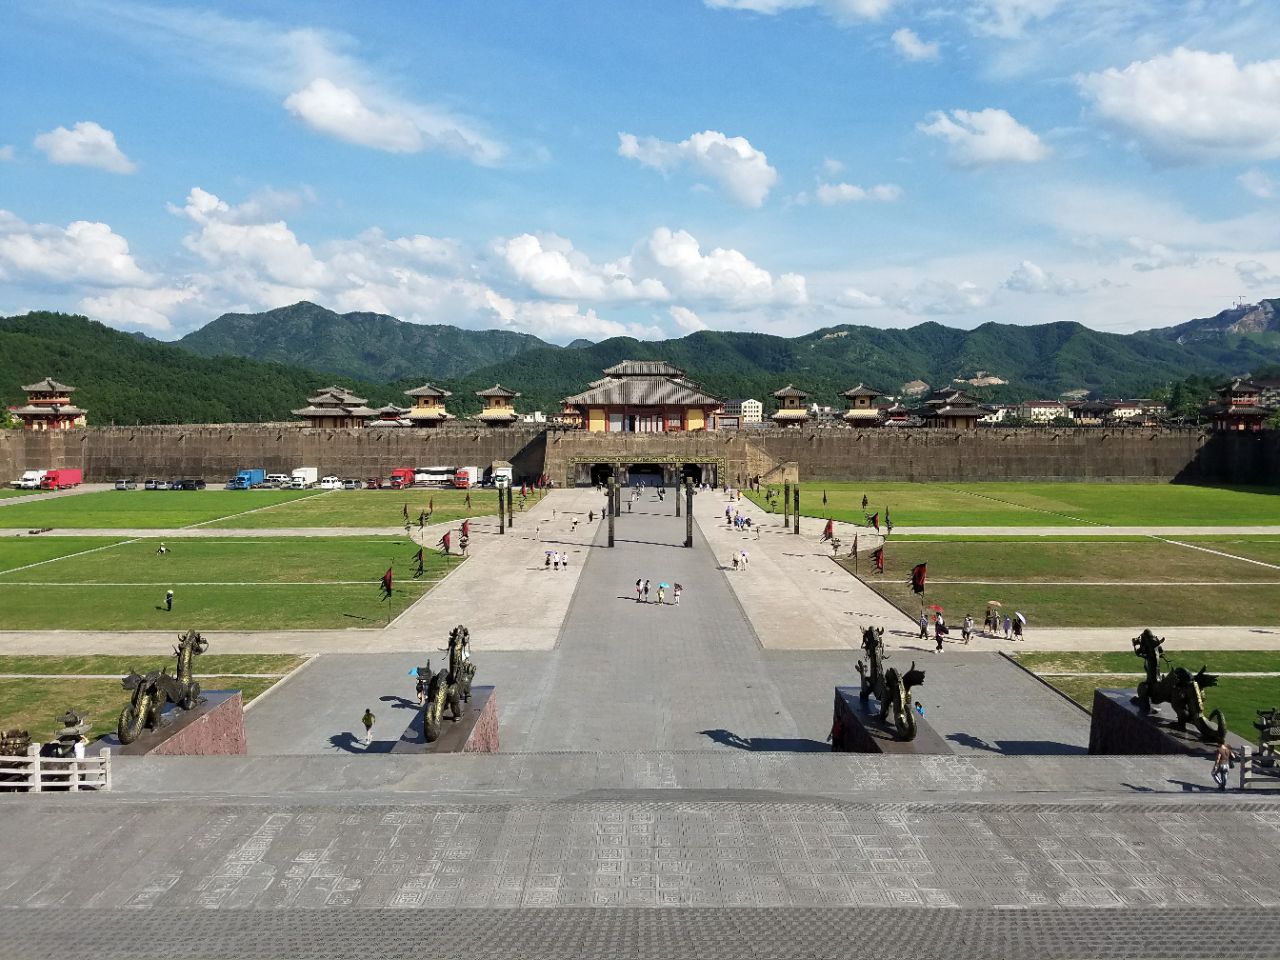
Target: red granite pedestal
column 476, row 732
column 214, row 728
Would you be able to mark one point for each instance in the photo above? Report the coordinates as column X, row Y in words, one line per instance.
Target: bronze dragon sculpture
column 1179, row 688
column 156, row 689
column 449, row 688
column 891, row 690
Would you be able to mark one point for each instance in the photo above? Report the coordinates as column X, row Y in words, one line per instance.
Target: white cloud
column 858, row 300
column 1009, row 18
column 86, row 144
column 931, row 297
column 832, row 167
column 982, row 137
column 1259, row 183
column 552, row 267
column 341, row 112
column 1255, row 273
column 1158, row 256
column 686, row 319
column 830, row 194
column 842, row 10
column 1190, row 105
column 742, row 171
column 723, row 276
column 912, row 47
column 81, row 252
column 132, row 307
column 1031, row 278
column 6, row 152
column 563, row 321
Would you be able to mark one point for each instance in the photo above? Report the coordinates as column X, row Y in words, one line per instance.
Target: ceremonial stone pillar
column 613, row 495
column 786, row 504
column 675, row 488
column 795, row 509
column 511, row 514
column 502, row 513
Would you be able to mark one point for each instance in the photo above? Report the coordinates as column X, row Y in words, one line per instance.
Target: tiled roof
column 643, row 392
column 47, row 385
column 339, row 394
column 789, row 391
column 427, row 390
column 497, row 390
column 862, row 391
column 47, row 410
column 643, row 368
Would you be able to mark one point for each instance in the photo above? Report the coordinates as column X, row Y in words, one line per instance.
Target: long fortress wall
column 216, row 452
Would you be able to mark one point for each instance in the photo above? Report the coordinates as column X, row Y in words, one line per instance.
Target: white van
column 330, row 483
column 278, row 480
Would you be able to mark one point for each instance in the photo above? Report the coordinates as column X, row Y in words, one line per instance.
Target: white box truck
column 500, row 473
column 304, row 478
column 30, row 480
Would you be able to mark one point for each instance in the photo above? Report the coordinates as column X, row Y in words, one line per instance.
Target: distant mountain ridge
column 367, row 346
column 1244, row 320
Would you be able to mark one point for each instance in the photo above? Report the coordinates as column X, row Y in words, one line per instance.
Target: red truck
column 401, row 477
column 64, row 478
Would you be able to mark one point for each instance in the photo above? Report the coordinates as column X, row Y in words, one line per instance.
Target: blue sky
column 645, row 168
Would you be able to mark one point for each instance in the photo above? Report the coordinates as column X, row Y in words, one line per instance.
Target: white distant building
column 993, row 413
column 745, row 410
column 1042, row 411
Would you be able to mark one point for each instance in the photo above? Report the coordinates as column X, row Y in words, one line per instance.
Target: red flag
column 917, row 578
column 386, row 584
column 417, row 557
column 875, row 522
column 466, row 528
column 878, row 556
column 828, row 531
column 444, row 542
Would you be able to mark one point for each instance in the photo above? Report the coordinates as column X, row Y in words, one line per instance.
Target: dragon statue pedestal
column 1120, row 727
column 475, row 732
column 214, row 727
column 857, row 728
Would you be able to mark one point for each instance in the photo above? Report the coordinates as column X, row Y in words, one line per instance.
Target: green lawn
column 220, row 664
column 36, row 705
column 145, row 509
column 239, row 583
column 20, row 551
column 1042, row 504
column 1218, row 661
column 372, row 508
column 11, row 492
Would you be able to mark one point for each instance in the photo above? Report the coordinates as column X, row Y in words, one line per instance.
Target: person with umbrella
column 662, row 592
column 939, row 627
column 1019, row 621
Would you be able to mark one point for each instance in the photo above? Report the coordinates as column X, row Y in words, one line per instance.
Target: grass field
column 1073, row 584
column 247, row 583
column 144, row 509
column 1239, row 698
column 1041, row 504
column 11, row 492
column 34, row 703
column 372, row 508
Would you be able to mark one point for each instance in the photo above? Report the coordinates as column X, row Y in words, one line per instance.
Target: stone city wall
column 1049, row 453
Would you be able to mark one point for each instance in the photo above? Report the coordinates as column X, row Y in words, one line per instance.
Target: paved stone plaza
column 664, row 790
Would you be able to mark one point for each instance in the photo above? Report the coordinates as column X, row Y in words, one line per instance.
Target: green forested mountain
column 124, row 379
column 369, row 346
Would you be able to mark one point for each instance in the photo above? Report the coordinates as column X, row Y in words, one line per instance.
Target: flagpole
column 390, row 566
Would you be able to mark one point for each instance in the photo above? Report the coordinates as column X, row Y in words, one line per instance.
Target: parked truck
column 30, row 480
column 499, row 474
column 247, row 479
column 401, row 477
column 304, row 478
column 466, row 477
column 63, row 478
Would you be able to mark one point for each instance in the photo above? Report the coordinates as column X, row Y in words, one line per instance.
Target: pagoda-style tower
column 862, row 410
column 428, row 408
column 498, row 410
column 335, row 408
column 1239, row 407
column 791, row 410
column 49, row 407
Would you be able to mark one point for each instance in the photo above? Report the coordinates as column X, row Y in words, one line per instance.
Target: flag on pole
column 917, row 578
column 888, row 521
column 824, row 498
column 405, row 511
column 386, row 584
column 875, row 521
column 878, row 557
column 466, row 528
column 444, row 542
column 419, row 560
column 431, row 505
column 828, row 531
column 855, row 545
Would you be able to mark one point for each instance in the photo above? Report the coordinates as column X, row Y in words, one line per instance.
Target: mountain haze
column 368, row 346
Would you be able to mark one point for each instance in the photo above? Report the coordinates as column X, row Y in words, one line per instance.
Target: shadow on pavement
column 766, row 744
column 1019, row 748
column 349, row 743
column 400, row 703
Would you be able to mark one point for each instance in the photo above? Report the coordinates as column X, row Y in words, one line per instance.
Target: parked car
column 330, row 483
column 189, row 483
column 278, row 479
column 127, row 484
column 351, row 485
column 162, row 485
column 150, row 484
column 373, row 483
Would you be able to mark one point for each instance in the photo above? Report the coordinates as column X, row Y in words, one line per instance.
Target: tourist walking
column 1017, row 626
column 675, row 593
column 168, row 599
column 1008, row 627
column 744, row 559
column 939, row 631
column 368, row 720
column 966, row 629
column 564, row 561
column 555, row 561
column 573, row 525
column 662, row 593
column 735, row 560
column 1223, row 761
column 639, row 589
column 420, row 689
column 646, row 591
column 924, row 627
column 162, row 550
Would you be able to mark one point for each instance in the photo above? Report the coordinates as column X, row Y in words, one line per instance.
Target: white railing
column 36, row 774
column 1251, row 762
